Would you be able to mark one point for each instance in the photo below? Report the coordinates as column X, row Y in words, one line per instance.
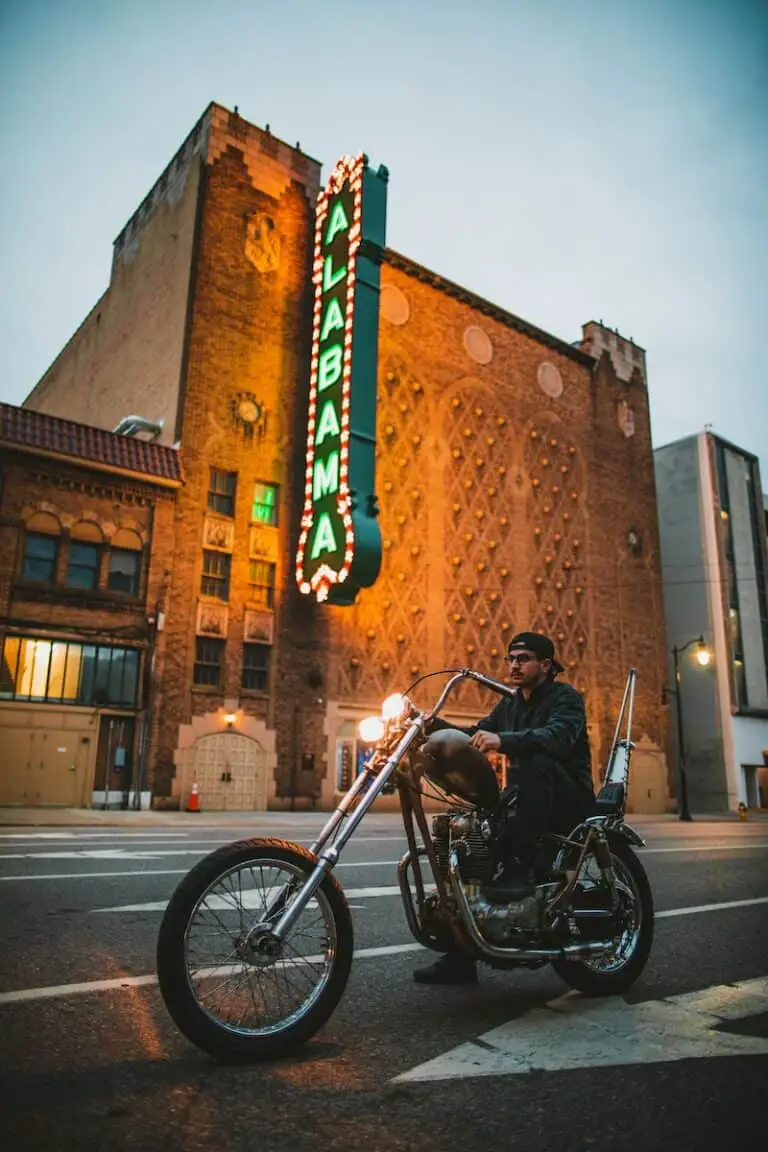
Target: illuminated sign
column 339, row 548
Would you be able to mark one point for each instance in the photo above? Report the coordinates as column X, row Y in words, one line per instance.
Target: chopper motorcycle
column 256, row 943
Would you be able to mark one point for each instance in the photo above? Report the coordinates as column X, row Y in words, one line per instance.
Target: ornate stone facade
column 508, row 483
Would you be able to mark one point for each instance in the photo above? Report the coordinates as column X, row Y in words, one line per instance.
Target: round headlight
column 393, row 706
column 371, row 729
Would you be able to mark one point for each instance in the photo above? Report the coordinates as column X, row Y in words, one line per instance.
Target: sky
column 567, row 159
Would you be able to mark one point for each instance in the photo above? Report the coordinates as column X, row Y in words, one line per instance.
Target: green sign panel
column 339, row 548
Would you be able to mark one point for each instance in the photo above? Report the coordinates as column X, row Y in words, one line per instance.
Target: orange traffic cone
column 193, row 804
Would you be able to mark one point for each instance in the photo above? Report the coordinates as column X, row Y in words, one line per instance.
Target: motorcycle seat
column 610, row 800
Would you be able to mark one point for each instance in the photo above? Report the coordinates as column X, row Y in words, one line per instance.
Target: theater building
column 514, row 481
column 86, row 553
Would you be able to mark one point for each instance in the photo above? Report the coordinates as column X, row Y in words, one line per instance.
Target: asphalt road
column 681, row 1063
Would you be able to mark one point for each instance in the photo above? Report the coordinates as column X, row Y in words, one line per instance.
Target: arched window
column 125, row 562
column 41, row 548
column 84, row 555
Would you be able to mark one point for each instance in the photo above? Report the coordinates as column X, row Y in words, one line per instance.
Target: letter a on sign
column 337, row 223
column 324, row 541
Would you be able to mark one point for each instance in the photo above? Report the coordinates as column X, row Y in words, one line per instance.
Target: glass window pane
column 35, row 658
column 88, row 674
column 123, row 571
column 130, row 677
column 101, row 682
column 83, row 567
column 57, row 670
column 72, row 673
column 115, row 689
column 264, row 508
column 39, row 557
column 8, row 668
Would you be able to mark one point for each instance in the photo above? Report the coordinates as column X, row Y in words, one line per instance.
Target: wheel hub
column 260, row 947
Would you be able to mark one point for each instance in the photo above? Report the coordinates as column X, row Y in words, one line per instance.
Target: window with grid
column 40, row 553
column 264, row 507
column 83, row 565
column 221, row 492
column 209, row 656
column 124, row 566
column 256, row 667
column 60, row 672
column 215, row 578
column 262, row 583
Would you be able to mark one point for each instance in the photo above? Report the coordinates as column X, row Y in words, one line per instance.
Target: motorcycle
column 256, row 943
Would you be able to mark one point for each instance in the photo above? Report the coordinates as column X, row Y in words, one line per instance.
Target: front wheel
column 225, row 983
column 614, row 972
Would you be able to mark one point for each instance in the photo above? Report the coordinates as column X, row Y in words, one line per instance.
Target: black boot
column 453, row 968
column 515, row 882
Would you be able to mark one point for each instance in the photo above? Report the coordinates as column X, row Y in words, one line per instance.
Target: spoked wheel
column 614, row 972
column 229, row 985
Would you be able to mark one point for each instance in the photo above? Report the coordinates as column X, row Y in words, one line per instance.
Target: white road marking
column 150, row 852
column 121, row 982
column 574, row 1031
column 172, row 871
column 252, row 900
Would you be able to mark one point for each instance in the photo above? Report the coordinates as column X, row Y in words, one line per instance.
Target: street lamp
column 703, row 657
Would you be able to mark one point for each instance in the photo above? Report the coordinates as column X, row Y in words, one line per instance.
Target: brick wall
column 71, row 494
column 126, row 357
column 248, row 336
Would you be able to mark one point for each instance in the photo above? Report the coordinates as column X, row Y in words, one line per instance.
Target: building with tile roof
column 514, row 483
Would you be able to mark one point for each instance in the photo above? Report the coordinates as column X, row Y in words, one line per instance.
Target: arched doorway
column 231, row 773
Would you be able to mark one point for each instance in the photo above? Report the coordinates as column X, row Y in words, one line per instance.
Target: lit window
column 264, row 509
column 215, row 578
column 66, row 673
column 262, row 583
column 40, row 553
column 256, row 667
column 209, row 654
column 83, row 566
column 123, row 573
column 221, row 492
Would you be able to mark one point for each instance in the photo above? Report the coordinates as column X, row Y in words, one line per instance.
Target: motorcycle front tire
column 199, row 1026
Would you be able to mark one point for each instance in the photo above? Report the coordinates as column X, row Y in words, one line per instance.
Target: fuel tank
column 456, row 767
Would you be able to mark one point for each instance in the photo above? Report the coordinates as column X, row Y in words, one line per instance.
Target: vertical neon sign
column 339, row 549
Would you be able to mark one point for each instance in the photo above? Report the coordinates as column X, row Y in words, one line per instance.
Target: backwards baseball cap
column 541, row 646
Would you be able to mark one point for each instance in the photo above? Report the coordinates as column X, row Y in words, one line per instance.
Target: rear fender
column 626, row 832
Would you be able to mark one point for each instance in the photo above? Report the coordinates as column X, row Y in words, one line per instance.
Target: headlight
column 371, row 729
column 393, row 706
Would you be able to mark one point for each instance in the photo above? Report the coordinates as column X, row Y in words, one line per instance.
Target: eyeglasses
column 524, row 658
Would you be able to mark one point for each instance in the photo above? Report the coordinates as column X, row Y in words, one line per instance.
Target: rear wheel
column 615, row 972
column 228, row 985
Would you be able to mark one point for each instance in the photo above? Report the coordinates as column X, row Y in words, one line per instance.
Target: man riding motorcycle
column 542, row 731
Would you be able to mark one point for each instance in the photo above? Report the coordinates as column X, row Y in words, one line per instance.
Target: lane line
column 341, row 864
column 59, row 990
column 172, row 871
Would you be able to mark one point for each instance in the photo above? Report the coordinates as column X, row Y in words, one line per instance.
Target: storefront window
column 56, row 671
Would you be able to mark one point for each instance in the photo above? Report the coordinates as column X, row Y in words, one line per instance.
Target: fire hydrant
column 742, row 811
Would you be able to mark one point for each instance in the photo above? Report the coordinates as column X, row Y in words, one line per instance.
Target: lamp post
column 703, row 657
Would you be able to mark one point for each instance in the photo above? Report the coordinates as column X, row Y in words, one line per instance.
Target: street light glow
column 703, row 655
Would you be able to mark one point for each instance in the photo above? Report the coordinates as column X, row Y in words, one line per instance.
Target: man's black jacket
column 552, row 723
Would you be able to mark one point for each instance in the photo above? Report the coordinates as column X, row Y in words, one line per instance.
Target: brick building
column 515, row 482
column 86, row 552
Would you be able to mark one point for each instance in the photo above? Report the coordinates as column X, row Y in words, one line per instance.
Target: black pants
column 548, row 800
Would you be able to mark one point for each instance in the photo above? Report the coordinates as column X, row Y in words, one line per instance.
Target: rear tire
column 614, row 973
column 253, row 982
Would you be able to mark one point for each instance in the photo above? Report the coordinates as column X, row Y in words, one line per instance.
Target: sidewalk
column 144, row 820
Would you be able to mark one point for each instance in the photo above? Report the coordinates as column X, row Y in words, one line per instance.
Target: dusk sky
column 567, row 159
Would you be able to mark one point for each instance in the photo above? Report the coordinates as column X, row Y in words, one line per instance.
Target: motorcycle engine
column 503, row 924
